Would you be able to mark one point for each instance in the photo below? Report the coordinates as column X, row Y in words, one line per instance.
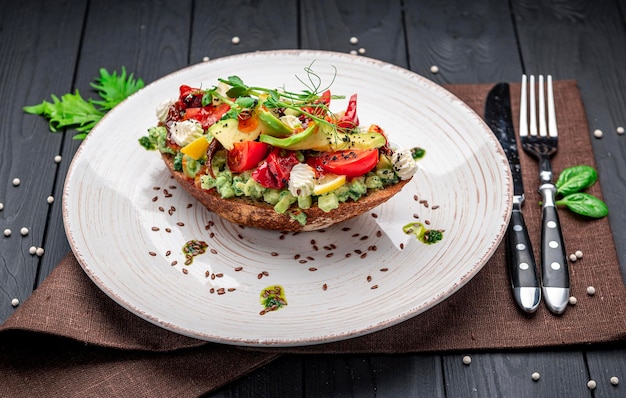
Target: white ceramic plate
column 352, row 279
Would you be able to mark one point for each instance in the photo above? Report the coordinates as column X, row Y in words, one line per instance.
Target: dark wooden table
column 58, row 46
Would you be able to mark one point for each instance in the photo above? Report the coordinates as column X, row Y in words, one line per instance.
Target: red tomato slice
column 246, row 155
column 351, row 163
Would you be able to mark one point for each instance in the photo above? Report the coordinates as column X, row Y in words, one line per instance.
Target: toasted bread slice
column 249, row 212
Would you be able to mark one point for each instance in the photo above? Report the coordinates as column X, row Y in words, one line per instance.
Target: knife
column 519, row 251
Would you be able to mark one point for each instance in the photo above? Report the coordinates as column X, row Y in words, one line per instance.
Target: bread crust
column 251, row 213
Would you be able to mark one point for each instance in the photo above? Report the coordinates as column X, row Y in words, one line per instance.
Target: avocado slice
column 325, row 139
column 271, row 124
column 227, row 132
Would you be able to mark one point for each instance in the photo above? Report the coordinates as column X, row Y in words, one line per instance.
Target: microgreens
column 246, row 97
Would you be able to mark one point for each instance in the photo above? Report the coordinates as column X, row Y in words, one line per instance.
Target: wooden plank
column 149, row 41
column 562, row 374
column 373, row 375
column 605, row 364
column 469, row 41
column 281, row 378
column 330, row 24
column 258, row 25
column 33, row 66
column 579, row 40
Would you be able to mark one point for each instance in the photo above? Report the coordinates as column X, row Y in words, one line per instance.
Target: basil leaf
column 575, row 179
column 584, row 204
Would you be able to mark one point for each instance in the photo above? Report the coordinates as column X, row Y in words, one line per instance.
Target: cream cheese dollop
column 163, row 109
column 404, row 164
column 186, row 131
column 301, row 180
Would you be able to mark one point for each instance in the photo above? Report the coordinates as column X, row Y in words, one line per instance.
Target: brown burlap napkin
column 70, row 339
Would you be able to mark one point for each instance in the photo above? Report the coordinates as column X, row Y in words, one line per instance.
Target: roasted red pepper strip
column 349, row 120
column 274, row 171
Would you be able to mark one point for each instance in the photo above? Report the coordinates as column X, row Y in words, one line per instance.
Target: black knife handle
column 553, row 259
column 519, row 251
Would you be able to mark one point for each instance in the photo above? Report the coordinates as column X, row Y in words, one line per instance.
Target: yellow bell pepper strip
column 196, row 149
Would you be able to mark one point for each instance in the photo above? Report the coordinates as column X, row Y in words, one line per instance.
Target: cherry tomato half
column 351, row 163
column 246, row 155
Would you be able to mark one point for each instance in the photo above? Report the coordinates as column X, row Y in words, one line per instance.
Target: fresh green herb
column 114, row 89
column 147, row 143
column 584, row 204
column 575, row 179
column 569, row 185
column 273, row 98
column 73, row 111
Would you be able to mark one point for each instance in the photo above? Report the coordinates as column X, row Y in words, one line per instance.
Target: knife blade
column 519, row 251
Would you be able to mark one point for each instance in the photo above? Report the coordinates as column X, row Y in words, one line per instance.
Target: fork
column 542, row 144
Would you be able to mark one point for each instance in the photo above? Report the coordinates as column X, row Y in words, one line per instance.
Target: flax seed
column 188, row 261
column 312, row 269
column 379, row 234
column 297, row 256
column 168, row 230
column 384, row 269
column 310, row 258
column 435, row 207
column 401, row 246
column 212, row 276
column 180, row 224
column 260, row 275
column 333, row 246
column 189, row 205
column 221, row 290
column 161, row 208
column 237, row 269
column 156, row 188
column 374, row 287
column 358, row 251
column 212, row 290
column 303, row 261
column 427, row 222
column 345, row 229
column 211, row 235
column 274, row 254
column 369, row 278
column 207, row 274
column 155, row 228
column 172, row 187
column 315, row 248
column 329, row 255
column 155, row 198
column 172, row 208
column 348, row 255
column 363, row 255
column 185, row 271
column 153, row 254
column 374, row 215
column 219, row 275
column 167, row 253
column 231, row 289
column 213, row 251
column 174, row 263
column 364, row 237
column 415, row 198
column 324, row 287
column 355, row 235
column 313, row 241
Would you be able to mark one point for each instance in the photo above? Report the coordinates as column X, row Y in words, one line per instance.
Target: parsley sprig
column 73, row 111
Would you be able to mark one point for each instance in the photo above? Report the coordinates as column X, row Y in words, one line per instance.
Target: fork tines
column 529, row 126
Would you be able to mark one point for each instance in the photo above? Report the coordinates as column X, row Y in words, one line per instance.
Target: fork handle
column 555, row 273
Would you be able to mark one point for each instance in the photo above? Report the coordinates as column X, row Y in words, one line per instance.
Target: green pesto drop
column 423, row 234
column 272, row 298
